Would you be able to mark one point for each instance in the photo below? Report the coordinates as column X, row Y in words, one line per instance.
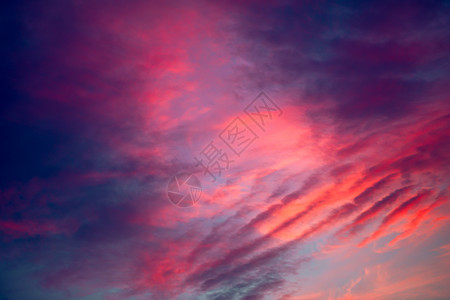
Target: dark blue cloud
column 373, row 60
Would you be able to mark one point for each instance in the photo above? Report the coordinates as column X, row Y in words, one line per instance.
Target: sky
column 225, row 150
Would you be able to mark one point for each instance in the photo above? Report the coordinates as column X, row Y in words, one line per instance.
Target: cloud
column 396, row 214
column 105, row 101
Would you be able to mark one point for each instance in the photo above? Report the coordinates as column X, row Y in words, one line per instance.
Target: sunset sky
column 338, row 191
